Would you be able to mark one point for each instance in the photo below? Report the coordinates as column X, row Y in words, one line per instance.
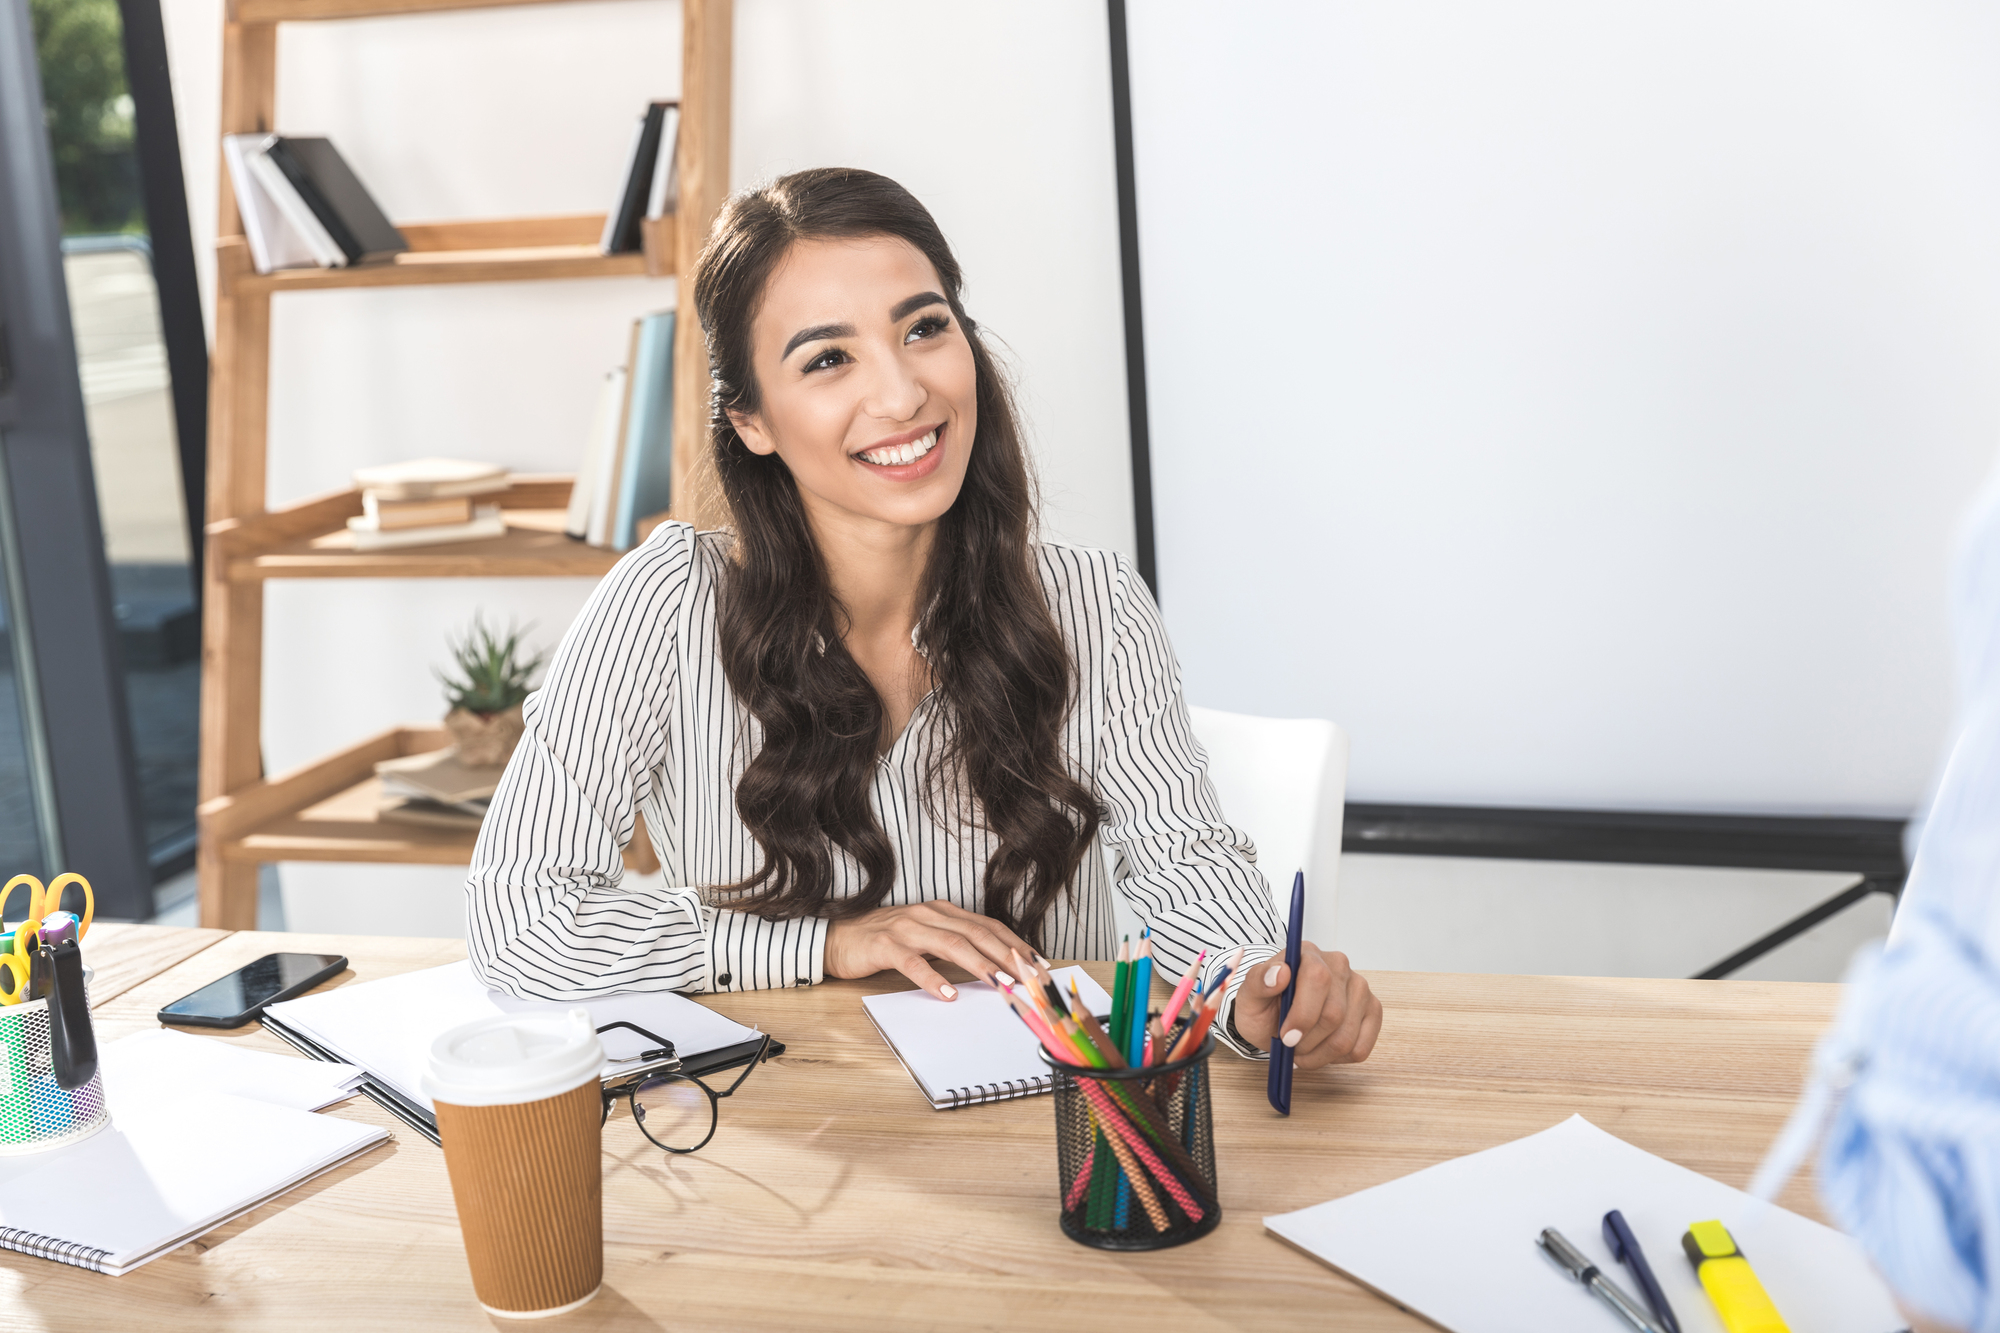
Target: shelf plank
column 301, row 11
column 310, row 540
column 418, row 268
column 533, row 547
column 330, row 811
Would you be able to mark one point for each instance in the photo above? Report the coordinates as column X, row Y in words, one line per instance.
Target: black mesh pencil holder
column 1135, row 1149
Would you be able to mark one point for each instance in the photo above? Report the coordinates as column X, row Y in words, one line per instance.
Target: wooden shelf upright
column 325, row 810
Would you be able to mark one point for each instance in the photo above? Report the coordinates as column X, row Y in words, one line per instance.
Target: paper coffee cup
column 521, row 1118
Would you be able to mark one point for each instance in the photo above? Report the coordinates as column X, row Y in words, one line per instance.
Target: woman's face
column 866, row 382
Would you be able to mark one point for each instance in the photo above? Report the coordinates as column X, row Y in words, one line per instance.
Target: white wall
column 998, row 117
column 1578, row 398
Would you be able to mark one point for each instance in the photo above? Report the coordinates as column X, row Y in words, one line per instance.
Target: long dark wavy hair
column 1001, row 674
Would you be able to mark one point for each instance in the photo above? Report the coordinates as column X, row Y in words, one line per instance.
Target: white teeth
column 897, row 455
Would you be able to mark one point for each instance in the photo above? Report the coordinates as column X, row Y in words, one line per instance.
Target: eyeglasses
column 677, row 1111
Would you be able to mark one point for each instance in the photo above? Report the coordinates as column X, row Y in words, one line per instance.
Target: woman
column 877, row 724
column 1907, row 1084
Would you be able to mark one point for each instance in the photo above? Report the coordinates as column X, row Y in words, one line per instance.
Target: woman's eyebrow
column 911, row 304
column 814, row 334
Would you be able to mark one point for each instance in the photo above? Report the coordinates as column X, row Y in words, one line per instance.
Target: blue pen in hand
column 1625, row 1249
column 1280, row 1089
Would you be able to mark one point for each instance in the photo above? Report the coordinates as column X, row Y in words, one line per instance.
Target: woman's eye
column 826, row 360
column 927, row 327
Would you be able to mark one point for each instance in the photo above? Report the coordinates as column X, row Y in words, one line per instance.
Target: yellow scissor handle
column 14, row 973
column 52, row 899
column 37, row 896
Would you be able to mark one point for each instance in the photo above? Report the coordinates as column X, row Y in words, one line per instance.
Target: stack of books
column 650, row 185
column 628, row 458
column 425, row 502
column 303, row 206
column 437, row 789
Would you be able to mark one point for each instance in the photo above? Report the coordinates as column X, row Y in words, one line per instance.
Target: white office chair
column 1284, row 782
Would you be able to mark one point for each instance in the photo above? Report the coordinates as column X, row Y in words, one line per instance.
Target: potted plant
column 492, row 679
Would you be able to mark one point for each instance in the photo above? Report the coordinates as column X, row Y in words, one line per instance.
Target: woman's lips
column 906, row 462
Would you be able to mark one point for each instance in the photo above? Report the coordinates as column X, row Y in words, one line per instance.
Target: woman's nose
column 896, row 393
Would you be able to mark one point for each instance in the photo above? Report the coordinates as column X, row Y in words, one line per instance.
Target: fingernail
column 949, row 991
column 1271, row 977
column 1292, row 1037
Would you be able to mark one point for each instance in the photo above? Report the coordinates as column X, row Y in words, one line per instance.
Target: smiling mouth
column 901, row 455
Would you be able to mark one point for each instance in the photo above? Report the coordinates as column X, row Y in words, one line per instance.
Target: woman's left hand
column 1334, row 1018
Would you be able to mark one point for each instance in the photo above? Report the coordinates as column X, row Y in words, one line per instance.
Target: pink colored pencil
column 1172, row 1012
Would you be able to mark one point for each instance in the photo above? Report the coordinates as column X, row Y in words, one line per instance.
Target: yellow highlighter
column 1727, row 1278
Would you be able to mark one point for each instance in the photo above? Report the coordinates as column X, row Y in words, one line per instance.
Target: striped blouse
column 635, row 715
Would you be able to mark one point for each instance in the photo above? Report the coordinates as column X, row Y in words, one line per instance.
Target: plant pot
column 485, row 740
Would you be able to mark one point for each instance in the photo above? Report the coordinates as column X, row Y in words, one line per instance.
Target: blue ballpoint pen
column 1280, row 1089
column 1625, row 1249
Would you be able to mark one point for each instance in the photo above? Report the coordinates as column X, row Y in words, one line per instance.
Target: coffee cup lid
column 512, row 1058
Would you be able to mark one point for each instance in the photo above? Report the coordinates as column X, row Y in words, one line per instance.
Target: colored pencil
column 1087, row 1021
column 1137, row 1180
column 1173, row 1010
column 1121, row 988
column 1191, row 1042
column 1141, row 1002
column 1222, row 977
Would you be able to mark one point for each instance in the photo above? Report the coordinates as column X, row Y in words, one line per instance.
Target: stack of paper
column 181, row 1156
column 1455, row 1242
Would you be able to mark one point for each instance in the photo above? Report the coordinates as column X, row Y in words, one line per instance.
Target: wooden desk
column 833, row 1197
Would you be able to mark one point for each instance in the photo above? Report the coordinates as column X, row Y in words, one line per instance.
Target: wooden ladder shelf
column 325, row 811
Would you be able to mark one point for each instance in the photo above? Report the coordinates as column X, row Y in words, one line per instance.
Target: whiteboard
column 1574, row 401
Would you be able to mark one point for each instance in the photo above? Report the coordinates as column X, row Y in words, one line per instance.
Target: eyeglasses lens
column 673, row 1112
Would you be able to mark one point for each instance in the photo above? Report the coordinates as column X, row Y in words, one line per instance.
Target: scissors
column 17, row 962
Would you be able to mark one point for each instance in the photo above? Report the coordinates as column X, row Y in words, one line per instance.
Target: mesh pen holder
column 1135, row 1151
column 35, row 1112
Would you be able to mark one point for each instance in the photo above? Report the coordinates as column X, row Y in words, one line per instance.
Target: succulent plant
column 494, row 672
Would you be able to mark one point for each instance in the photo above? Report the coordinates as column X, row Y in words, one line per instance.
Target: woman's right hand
column 906, row 938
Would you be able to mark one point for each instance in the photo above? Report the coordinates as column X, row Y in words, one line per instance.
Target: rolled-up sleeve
column 1184, row 868
column 549, row 914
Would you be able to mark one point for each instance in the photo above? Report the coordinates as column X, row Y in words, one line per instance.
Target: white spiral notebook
column 973, row 1049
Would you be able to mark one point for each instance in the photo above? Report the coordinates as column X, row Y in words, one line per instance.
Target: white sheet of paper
column 1456, row 1242
column 971, row 1041
column 166, row 1060
column 387, row 1026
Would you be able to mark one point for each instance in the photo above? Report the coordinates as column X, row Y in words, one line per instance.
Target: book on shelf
column 635, row 185
column 298, row 217
column 431, row 478
column 665, row 195
column 390, row 515
column 336, row 196
column 597, row 447
column 646, row 478
column 274, row 242
column 435, row 789
column 486, row 522
column 628, row 460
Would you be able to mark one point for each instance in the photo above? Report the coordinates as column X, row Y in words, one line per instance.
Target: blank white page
column 1456, row 1242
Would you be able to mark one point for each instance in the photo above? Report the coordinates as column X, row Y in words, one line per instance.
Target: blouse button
column 724, row 979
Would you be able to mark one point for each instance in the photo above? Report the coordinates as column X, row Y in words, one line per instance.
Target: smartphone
column 240, row 997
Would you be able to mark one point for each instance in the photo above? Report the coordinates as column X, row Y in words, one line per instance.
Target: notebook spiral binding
column 47, row 1247
column 997, row 1092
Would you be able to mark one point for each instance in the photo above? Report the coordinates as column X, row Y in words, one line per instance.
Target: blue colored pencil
column 1141, row 1000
